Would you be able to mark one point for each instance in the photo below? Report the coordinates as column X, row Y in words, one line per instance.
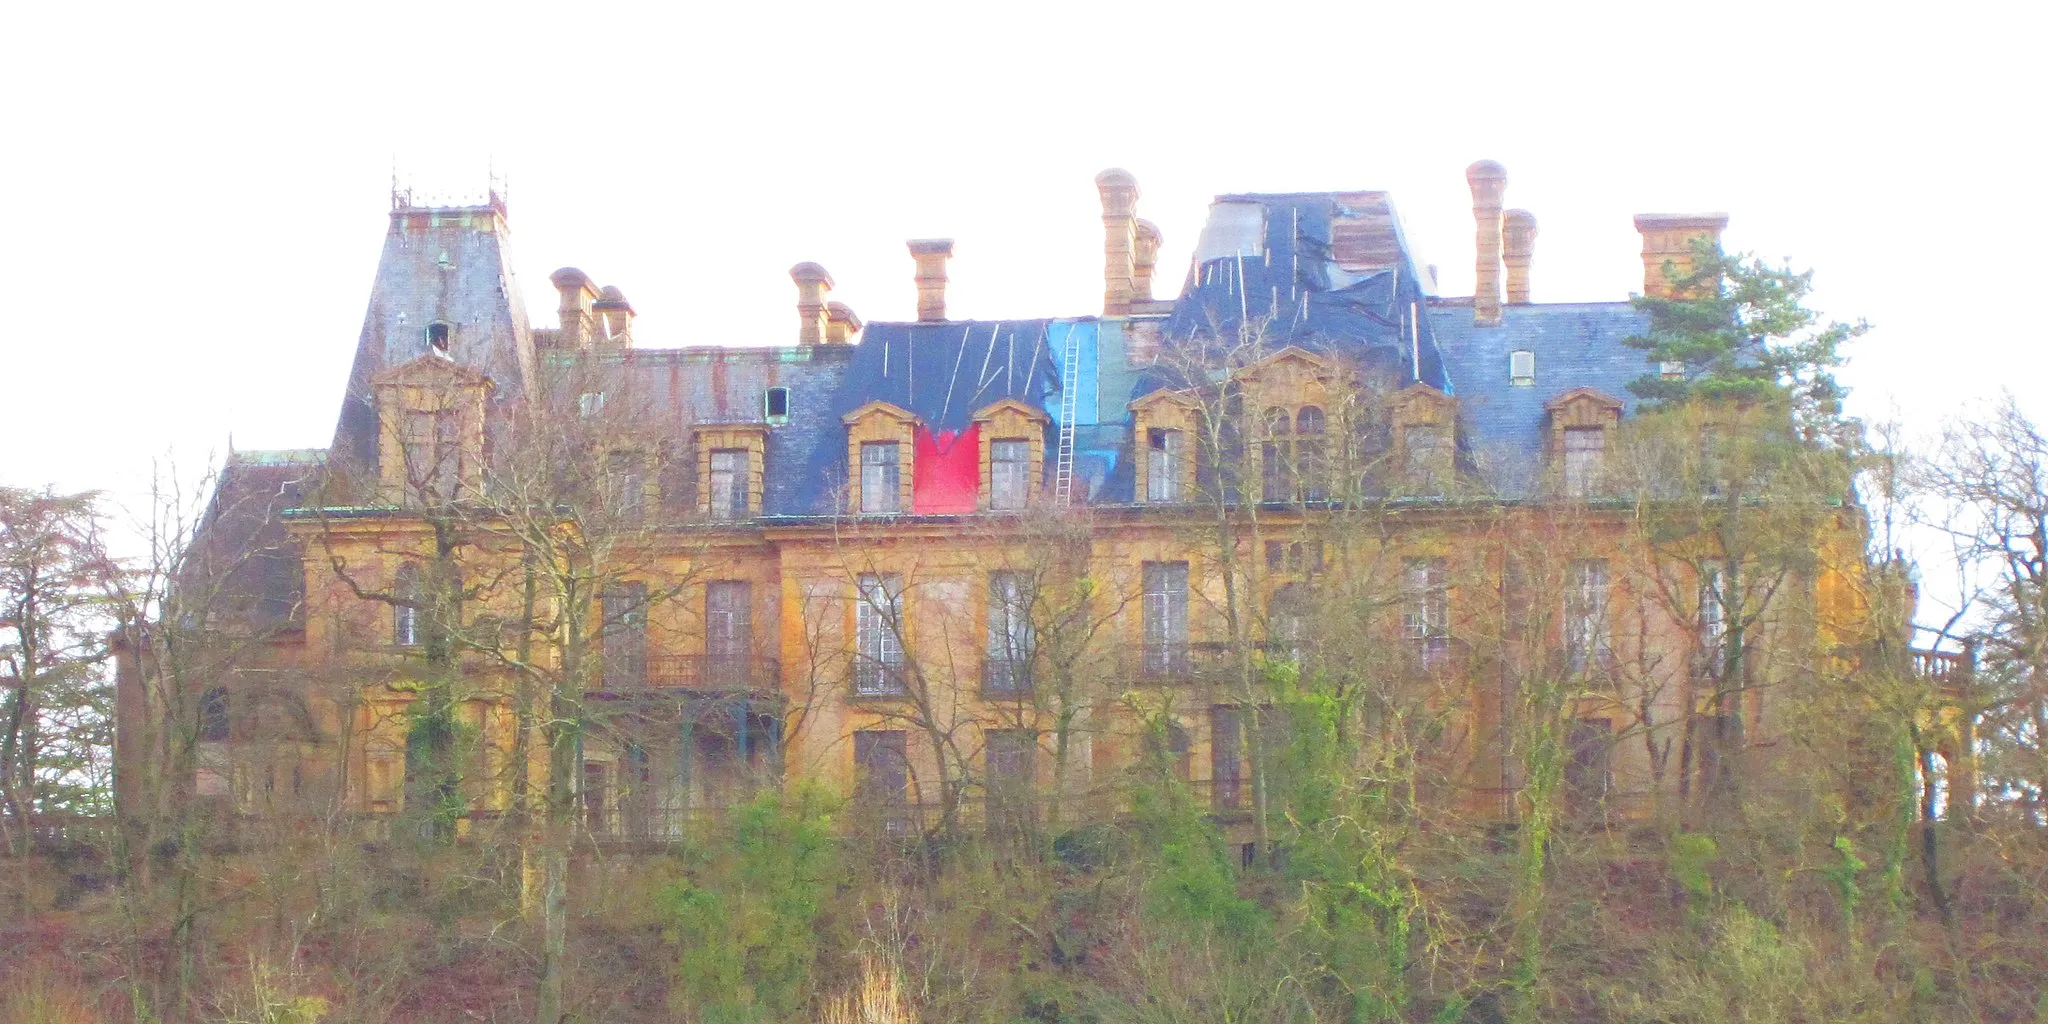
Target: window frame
column 731, row 501
column 1165, row 448
column 881, row 496
column 1009, row 474
column 1163, row 618
column 1012, row 639
column 878, row 667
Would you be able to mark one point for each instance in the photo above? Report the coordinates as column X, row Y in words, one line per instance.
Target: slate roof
column 1577, row 344
column 241, row 565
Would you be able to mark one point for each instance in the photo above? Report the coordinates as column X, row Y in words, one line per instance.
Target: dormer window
column 431, row 446
column 437, row 336
column 1585, row 450
column 728, row 483
column 1671, row 369
column 1164, row 449
column 881, row 476
column 1522, row 368
column 776, row 406
column 431, row 417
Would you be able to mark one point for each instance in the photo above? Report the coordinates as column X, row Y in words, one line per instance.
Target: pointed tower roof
column 444, row 280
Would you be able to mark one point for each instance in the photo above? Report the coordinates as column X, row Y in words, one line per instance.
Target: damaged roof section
column 1328, row 271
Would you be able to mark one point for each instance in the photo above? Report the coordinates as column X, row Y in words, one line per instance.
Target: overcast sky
column 197, row 197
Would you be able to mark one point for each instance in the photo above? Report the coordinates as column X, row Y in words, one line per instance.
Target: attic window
column 437, row 335
column 1522, row 368
column 778, row 405
column 590, row 403
column 1671, row 370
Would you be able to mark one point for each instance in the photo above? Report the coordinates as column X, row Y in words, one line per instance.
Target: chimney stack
column 1120, row 245
column 811, row 285
column 613, row 316
column 1144, row 256
column 1667, row 241
column 1488, row 181
column 931, row 255
column 574, row 310
column 840, row 324
column 1518, row 246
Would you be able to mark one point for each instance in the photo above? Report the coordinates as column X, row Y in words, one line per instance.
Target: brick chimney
column 812, row 284
column 1120, row 242
column 1144, row 256
column 612, row 316
column 577, row 296
column 840, row 324
column 1518, row 247
column 1667, row 241
column 1488, row 181
column 931, row 255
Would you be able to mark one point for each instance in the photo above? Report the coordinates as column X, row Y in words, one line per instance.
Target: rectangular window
column 729, row 483
column 431, row 446
column 629, row 484
column 1012, row 759
column 213, row 715
column 1302, row 557
column 1587, row 644
column 1007, row 670
column 881, row 477
column 728, row 633
column 1713, row 617
column 1522, row 368
column 1426, row 612
column 1009, row 472
column 1165, row 616
column 405, row 616
column 1584, row 450
column 1226, row 758
column 624, row 612
column 882, row 765
column 1162, row 465
column 1276, row 470
column 878, row 618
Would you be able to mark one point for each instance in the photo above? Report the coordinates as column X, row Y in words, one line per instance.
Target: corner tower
column 444, row 282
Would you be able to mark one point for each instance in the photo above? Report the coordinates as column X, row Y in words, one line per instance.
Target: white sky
column 197, row 199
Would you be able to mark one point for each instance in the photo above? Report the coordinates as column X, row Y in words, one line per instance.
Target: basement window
column 437, row 335
column 778, row 405
column 1522, row 368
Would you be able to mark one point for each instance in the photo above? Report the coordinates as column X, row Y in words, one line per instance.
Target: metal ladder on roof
column 1070, row 394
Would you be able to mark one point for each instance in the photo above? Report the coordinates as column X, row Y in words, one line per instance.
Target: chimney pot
column 1119, row 192
column 577, row 295
column 1145, row 255
column 1667, row 239
column 1518, row 242
column 812, row 282
column 1488, row 181
column 841, row 324
column 931, row 255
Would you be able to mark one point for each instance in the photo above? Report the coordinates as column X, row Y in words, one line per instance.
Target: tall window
column 728, row 632
column 1713, row 616
column 1007, row 672
column 431, row 447
column 729, row 483
column 1428, row 457
column 1163, row 464
column 878, row 615
column 1310, row 463
column 596, row 798
column 623, row 608
column 1012, row 762
column 1226, row 757
column 1585, row 615
column 629, row 481
column 1584, row 450
column 1170, row 748
column 881, row 470
column 1009, row 474
column 1165, row 616
column 1287, row 618
column 1276, row 461
column 1426, row 611
column 405, row 615
column 881, row 760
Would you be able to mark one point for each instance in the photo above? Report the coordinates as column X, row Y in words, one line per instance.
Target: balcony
column 1005, row 678
column 711, row 673
column 1199, row 661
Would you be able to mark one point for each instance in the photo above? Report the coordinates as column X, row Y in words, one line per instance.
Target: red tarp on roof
column 947, row 474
